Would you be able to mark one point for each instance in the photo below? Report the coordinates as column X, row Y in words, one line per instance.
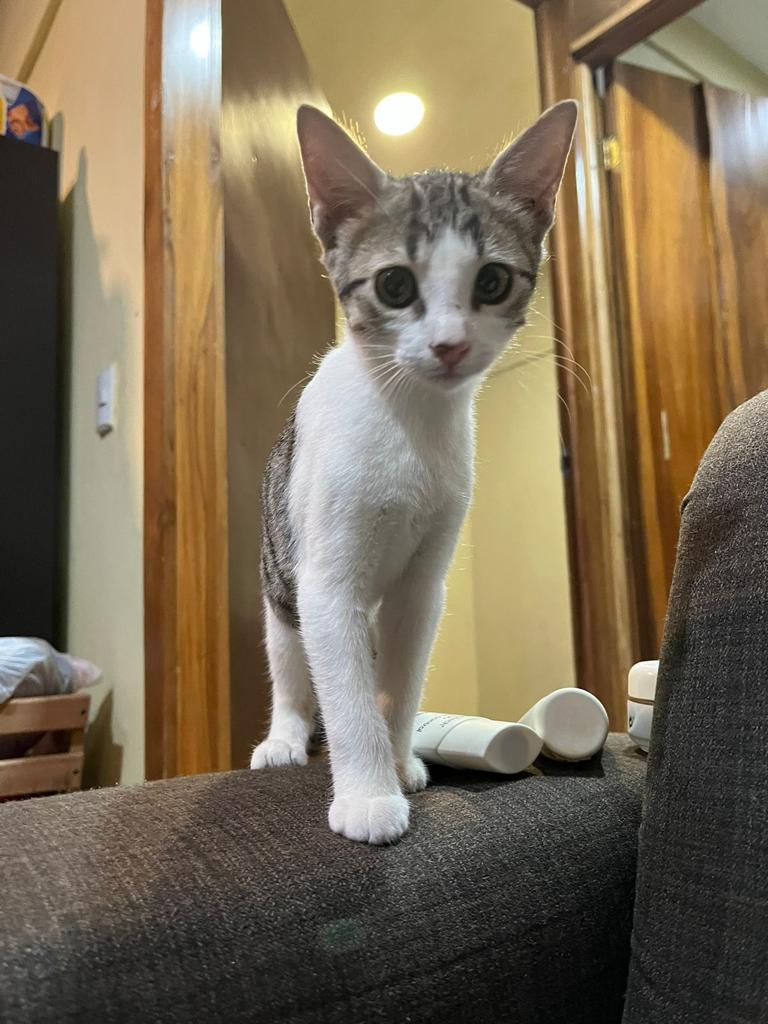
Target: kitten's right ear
column 532, row 167
column 341, row 180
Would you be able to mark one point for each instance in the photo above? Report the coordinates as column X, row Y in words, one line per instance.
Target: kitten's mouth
column 449, row 377
column 454, row 373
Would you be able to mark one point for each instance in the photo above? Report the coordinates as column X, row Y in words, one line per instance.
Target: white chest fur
column 374, row 475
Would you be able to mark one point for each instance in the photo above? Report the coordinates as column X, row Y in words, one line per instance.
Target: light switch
column 105, row 400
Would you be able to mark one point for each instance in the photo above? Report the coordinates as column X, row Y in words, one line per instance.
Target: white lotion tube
column 572, row 724
column 463, row 741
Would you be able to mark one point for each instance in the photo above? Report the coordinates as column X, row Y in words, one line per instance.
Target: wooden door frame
column 185, row 461
column 603, row 582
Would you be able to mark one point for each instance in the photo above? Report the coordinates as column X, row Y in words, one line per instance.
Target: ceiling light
column 398, row 113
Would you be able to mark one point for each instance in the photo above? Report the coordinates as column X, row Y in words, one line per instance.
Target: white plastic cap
column 505, row 747
column 641, row 684
column 572, row 723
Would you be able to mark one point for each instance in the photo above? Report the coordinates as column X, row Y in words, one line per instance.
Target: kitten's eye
column 492, row 284
column 396, row 287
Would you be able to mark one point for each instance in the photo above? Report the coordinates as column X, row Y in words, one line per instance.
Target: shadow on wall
column 93, row 334
column 103, row 757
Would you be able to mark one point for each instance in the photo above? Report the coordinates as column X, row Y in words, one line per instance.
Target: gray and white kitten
column 367, row 488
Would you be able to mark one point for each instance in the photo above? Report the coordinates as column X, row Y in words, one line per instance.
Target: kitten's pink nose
column 450, row 354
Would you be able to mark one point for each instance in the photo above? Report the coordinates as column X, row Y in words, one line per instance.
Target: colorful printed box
column 22, row 115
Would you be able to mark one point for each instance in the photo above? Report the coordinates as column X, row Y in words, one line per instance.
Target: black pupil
column 396, row 287
column 493, row 283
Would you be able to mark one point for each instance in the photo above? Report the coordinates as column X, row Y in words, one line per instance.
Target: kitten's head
column 434, row 270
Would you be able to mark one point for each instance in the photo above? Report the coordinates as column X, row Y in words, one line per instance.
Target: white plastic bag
column 32, row 668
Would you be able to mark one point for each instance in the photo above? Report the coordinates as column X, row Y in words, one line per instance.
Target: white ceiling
column 741, row 24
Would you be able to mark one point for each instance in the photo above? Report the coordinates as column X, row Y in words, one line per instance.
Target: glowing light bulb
column 398, row 113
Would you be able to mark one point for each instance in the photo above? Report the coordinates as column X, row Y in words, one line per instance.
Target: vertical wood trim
column 602, row 598
column 554, row 76
column 595, row 274
column 160, row 658
column 186, row 560
column 648, row 640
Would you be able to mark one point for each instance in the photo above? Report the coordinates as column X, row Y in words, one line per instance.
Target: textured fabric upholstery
column 225, row 898
column 700, row 940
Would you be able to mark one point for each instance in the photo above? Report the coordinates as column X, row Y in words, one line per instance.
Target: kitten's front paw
column 413, row 775
column 377, row 819
column 274, row 753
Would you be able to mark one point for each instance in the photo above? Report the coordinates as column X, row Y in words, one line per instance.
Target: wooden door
column 738, row 177
column 669, row 329
column 279, row 308
column 690, row 238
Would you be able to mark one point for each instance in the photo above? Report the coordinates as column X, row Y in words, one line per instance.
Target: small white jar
column 641, row 694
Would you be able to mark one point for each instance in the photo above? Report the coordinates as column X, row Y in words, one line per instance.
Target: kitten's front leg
column 368, row 804
column 293, row 702
column 408, row 621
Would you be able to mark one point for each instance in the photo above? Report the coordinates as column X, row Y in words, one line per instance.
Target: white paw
column 413, row 775
column 273, row 753
column 376, row 819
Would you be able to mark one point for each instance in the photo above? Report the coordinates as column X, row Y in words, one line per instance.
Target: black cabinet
column 30, row 413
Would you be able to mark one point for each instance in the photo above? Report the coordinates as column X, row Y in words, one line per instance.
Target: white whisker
column 304, row 379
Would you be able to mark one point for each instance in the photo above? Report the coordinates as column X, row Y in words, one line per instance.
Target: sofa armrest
column 700, row 938
column 225, row 898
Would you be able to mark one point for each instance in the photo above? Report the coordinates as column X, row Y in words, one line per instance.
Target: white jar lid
column 641, row 684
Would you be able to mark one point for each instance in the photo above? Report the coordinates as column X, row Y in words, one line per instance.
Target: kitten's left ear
column 531, row 168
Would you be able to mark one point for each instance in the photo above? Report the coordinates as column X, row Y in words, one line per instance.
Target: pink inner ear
column 532, row 166
column 342, row 181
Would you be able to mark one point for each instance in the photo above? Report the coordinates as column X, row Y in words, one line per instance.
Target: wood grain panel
column 610, row 493
column 160, row 654
column 186, row 561
column 49, row 773
column 738, row 174
column 604, row 630
column 279, row 307
column 195, row 308
column 669, row 330
column 43, row 714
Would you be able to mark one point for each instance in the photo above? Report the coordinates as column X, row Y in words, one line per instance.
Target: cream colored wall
column 19, row 23
column 90, row 75
column 522, row 599
column 453, row 684
column 689, row 50
column 505, row 639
